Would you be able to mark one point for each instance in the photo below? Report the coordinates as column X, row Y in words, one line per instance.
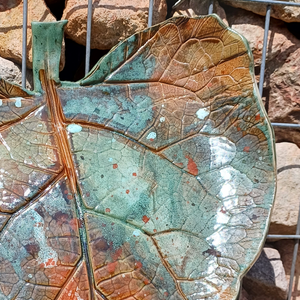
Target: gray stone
column 244, row 295
column 12, row 72
column 286, row 249
column 267, row 277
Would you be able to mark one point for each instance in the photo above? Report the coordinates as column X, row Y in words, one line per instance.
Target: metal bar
column 264, row 54
column 283, row 237
column 24, row 43
column 177, row 3
column 296, row 247
column 211, row 7
column 289, row 125
column 271, row 2
column 150, row 13
column 88, row 36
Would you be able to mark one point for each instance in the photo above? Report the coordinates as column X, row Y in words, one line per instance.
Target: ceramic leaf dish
column 151, row 178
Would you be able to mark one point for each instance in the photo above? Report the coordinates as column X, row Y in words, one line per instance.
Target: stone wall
column 114, row 20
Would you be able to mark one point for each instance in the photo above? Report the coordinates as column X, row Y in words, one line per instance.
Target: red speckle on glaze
column 115, row 166
column 133, row 174
column 117, row 254
column 50, row 262
column 74, row 224
column 138, row 265
column 223, row 210
column 127, row 191
column 111, row 267
column 246, row 149
column 192, row 167
column 107, row 210
column 145, row 219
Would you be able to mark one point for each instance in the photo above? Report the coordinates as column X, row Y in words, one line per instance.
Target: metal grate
column 269, row 4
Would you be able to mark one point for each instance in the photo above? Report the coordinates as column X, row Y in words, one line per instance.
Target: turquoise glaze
column 47, row 40
column 151, row 178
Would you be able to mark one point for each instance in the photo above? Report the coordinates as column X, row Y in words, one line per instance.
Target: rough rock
column 11, row 18
column 8, row 4
column 251, row 26
column 13, row 72
column 285, row 213
column 267, row 277
column 282, row 68
column 284, row 96
column 286, row 248
column 193, row 8
column 113, row 20
column 282, row 12
column 244, row 295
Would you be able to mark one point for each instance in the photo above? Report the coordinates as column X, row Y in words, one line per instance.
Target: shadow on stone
column 266, row 279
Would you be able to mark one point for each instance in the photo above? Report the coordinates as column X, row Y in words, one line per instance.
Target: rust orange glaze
column 150, row 179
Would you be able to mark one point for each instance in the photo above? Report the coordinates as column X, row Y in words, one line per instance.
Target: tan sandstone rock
column 113, row 20
column 284, row 94
column 285, row 212
column 282, row 12
column 286, row 248
column 252, row 26
column 266, row 279
column 192, row 8
column 11, row 18
column 282, row 74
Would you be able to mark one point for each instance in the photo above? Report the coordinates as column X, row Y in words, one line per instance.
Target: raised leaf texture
column 151, row 179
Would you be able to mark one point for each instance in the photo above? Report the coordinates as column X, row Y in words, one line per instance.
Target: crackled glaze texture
column 151, row 178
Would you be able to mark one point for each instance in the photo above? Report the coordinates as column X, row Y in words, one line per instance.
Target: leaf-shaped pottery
column 151, row 178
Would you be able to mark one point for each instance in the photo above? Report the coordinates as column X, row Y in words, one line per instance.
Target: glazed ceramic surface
column 151, row 178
